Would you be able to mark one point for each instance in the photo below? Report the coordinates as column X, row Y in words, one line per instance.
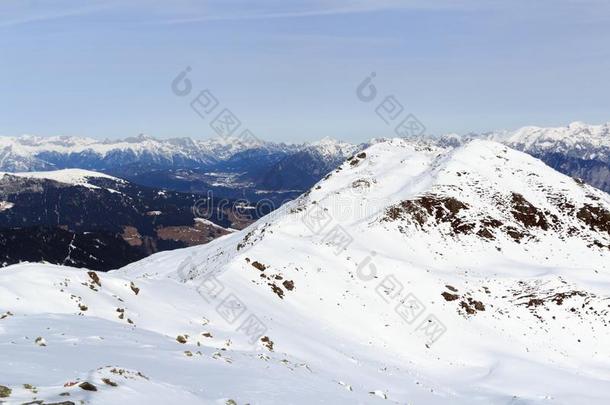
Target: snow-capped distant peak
column 328, row 141
column 576, row 139
column 333, row 148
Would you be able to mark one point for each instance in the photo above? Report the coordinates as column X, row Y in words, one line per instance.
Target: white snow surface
column 209, row 223
column 351, row 324
column 6, row 205
column 77, row 177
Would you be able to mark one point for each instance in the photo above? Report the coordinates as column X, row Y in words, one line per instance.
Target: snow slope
column 76, row 177
column 412, row 274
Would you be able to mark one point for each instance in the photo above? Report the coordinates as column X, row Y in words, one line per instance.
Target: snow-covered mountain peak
column 353, row 293
column 62, row 141
column 329, row 142
column 483, row 194
column 577, row 125
column 468, row 206
column 225, row 147
column 577, row 139
column 331, row 147
column 578, row 149
column 492, row 242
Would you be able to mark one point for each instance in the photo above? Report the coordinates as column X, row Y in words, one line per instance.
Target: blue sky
column 289, row 69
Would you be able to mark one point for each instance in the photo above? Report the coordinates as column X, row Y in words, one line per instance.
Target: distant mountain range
column 230, row 167
column 255, row 170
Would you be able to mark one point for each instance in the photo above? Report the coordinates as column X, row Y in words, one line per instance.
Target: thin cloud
column 188, row 11
column 267, row 16
column 27, row 16
column 355, row 7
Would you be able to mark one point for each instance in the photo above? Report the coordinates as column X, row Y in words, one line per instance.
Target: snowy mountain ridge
column 577, row 139
column 236, row 166
column 412, row 273
column 578, row 149
column 588, row 141
column 77, row 177
column 28, row 153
